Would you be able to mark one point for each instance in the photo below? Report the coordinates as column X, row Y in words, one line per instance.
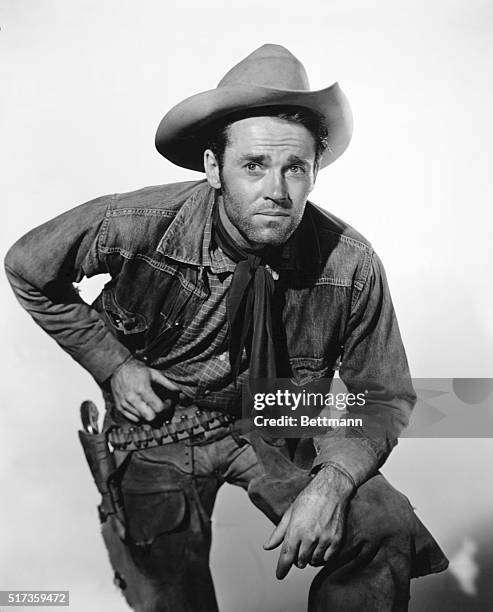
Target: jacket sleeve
column 42, row 267
column 374, row 364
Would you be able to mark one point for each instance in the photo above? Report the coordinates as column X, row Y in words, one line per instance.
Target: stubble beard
column 270, row 234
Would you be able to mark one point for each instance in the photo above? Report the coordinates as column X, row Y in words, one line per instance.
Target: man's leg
column 163, row 565
column 385, row 545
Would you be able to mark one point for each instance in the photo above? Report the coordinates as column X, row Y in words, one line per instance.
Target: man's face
column 268, row 172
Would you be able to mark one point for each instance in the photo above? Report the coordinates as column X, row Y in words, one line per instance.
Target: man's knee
column 379, row 523
column 372, row 568
column 380, row 512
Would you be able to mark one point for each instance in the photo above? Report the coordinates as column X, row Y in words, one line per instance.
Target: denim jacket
column 337, row 307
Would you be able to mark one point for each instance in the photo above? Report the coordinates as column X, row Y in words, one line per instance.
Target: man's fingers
column 151, row 400
column 287, row 556
column 145, row 410
column 305, row 552
column 132, row 387
column 277, row 536
column 137, row 405
column 318, row 555
column 330, row 551
column 127, row 410
column 128, row 415
column 158, row 377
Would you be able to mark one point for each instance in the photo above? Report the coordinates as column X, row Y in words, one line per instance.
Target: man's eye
column 296, row 169
column 252, row 167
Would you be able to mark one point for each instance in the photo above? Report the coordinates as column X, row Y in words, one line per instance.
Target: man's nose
column 276, row 188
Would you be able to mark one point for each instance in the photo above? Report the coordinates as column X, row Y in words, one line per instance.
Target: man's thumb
column 158, row 377
column 277, row 536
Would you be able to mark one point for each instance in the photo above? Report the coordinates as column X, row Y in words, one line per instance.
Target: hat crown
column 271, row 66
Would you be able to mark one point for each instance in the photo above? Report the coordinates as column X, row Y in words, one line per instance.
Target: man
column 215, row 285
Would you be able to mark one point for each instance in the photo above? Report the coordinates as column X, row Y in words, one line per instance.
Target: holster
column 103, row 469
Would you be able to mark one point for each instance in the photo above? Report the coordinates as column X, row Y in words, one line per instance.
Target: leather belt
column 189, row 426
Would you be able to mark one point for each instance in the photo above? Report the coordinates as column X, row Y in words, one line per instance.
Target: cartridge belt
column 189, row 425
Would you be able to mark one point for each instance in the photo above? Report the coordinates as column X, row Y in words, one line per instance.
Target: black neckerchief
column 248, row 305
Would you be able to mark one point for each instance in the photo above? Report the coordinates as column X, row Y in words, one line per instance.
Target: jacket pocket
column 164, row 340
column 176, row 314
column 122, row 320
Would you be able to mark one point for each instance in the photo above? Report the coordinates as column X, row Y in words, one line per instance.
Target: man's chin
column 262, row 241
column 261, row 237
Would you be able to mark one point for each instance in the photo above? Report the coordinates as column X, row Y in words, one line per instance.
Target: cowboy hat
column 270, row 76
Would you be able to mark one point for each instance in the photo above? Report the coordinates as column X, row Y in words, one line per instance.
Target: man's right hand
column 132, row 389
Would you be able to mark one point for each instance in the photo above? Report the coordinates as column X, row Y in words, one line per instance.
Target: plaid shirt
column 199, row 360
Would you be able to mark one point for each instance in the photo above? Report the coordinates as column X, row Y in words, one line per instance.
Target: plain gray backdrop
column 84, row 85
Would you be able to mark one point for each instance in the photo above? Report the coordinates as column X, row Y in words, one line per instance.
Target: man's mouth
column 272, row 213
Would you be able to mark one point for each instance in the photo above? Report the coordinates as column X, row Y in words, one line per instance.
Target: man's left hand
column 311, row 529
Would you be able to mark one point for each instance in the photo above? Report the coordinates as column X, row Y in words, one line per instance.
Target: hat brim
column 182, row 134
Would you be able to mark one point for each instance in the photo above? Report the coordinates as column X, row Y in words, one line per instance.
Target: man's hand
column 133, row 393
column 312, row 527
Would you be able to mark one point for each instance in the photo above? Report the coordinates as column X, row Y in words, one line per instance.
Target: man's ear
column 212, row 169
column 315, row 173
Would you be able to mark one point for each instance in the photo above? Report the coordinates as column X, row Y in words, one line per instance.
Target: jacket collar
column 183, row 240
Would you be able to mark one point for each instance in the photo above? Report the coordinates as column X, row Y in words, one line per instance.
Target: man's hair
column 218, row 134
